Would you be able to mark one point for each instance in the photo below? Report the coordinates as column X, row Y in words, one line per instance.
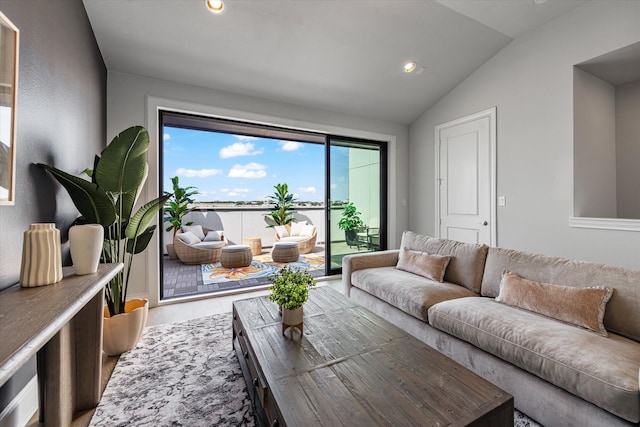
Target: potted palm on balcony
column 351, row 224
column 176, row 208
column 108, row 199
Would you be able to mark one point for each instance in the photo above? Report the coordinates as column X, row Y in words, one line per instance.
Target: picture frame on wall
column 9, row 42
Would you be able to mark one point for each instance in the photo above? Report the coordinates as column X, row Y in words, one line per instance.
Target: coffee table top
column 351, row 367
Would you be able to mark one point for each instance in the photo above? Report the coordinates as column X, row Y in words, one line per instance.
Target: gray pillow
column 195, row 229
column 188, row 237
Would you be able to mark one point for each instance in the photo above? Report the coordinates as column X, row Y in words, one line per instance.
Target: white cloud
column 307, row 189
column 250, row 170
column 199, row 173
column 245, row 137
column 224, row 190
column 166, row 137
column 239, row 149
column 241, row 190
column 290, row 145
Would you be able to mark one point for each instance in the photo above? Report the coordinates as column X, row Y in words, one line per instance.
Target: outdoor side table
column 255, row 243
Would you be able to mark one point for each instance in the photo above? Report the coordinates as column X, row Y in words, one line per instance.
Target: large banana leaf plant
column 108, row 199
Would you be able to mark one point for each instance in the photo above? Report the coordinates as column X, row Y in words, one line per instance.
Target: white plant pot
column 85, row 243
column 292, row 319
column 122, row 331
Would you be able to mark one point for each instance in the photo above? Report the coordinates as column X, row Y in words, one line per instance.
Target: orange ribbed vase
column 41, row 256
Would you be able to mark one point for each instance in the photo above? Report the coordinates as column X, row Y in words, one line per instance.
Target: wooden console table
column 62, row 325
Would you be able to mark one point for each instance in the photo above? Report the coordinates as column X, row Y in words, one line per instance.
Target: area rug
column 262, row 267
column 185, row 374
column 180, row 374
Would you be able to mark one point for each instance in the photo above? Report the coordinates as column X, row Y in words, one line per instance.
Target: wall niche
column 606, row 149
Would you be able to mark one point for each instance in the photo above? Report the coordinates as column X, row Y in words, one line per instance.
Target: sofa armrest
column 354, row 262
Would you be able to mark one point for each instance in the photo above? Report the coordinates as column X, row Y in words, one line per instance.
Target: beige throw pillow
column 195, row 229
column 188, row 237
column 582, row 307
column 281, row 230
column 296, row 227
column 424, row 264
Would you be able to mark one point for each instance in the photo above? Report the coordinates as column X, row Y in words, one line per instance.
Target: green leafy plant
column 178, row 205
column 283, row 212
column 350, row 218
column 117, row 178
column 290, row 288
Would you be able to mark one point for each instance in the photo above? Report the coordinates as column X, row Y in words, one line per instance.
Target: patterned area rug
column 185, row 374
column 180, row 374
column 262, row 267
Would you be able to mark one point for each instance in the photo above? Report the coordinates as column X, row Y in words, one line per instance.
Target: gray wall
column 594, row 147
column 628, row 146
column 530, row 83
column 61, row 120
column 60, row 116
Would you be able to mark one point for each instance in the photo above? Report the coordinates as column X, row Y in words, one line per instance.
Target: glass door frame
column 382, row 147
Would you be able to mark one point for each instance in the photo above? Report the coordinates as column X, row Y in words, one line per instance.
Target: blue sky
column 229, row 167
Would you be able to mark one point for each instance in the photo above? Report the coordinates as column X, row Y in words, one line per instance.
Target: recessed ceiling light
column 409, row 67
column 215, row 6
column 539, row 1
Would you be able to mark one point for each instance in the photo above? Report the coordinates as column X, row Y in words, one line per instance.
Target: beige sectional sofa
column 560, row 374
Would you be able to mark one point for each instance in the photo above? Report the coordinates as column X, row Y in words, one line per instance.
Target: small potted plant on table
column 290, row 290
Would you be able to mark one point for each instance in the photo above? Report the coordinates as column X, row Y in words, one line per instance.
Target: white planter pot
column 85, row 243
column 122, row 331
column 292, row 319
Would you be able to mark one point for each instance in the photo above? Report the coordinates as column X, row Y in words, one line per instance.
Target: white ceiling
column 342, row 56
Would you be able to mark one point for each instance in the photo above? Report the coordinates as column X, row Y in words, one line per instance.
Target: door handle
column 484, row 223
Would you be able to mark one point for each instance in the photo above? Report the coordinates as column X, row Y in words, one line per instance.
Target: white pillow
column 296, row 227
column 195, row 229
column 281, row 230
column 189, row 238
column 307, row 230
column 212, row 236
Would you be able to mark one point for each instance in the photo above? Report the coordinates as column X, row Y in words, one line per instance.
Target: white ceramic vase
column 41, row 256
column 85, row 242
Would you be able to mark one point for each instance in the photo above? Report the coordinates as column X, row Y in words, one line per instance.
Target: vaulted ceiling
column 344, row 56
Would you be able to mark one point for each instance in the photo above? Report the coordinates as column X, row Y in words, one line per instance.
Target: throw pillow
column 212, row 236
column 195, row 229
column 582, row 307
column 281, row 230
column 424, row 264
column 188, row 237
column 296, row 227
column 307, row 230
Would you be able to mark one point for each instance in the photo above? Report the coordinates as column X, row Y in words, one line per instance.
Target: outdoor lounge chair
column 191, row 249
column 301, row 233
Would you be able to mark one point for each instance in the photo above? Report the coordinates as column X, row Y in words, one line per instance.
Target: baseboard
column 22, row 408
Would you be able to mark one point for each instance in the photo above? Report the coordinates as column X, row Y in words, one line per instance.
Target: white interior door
column 465, row 186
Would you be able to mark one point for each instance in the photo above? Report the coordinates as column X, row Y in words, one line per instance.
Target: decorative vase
column 41, row 256
column 85, row 243
column 122, row 331
column 292, row 319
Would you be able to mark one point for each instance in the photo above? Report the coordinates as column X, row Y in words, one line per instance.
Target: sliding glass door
column 356, row 199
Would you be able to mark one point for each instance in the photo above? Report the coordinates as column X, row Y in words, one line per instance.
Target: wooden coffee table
column 353, row 368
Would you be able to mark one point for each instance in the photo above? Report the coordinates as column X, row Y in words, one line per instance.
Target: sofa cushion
column 281, row 231
column 213, row 236
column 584, row 307
column 209, row 245
column 295, row 239
column 467, row 260
column 408, row 292
column 623, row 309
column 296, row 227
column 601, row 370
column 188, row 237
column 195, row 229
column 423, row 264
